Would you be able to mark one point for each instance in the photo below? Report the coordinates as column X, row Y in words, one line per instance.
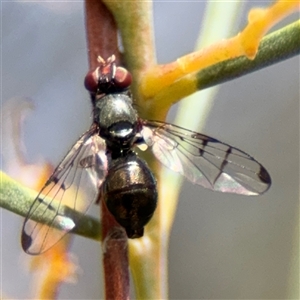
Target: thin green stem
column 274, row 48
column 18, row 199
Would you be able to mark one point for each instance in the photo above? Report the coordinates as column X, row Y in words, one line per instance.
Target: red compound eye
column 122, row 78
column 107, row 82
column 91, row 80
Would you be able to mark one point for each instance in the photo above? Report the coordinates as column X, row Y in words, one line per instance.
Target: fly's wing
column 74, row 184
column 204, row 160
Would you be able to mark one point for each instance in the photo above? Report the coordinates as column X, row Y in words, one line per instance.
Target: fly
column 104, row 160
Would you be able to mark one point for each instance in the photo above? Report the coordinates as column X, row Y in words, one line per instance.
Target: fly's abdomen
column 130, row 193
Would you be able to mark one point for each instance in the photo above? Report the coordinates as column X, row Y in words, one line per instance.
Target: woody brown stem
column 101, row 31
column 102, row 40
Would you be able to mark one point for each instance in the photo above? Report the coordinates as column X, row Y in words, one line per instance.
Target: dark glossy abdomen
column 130, row 193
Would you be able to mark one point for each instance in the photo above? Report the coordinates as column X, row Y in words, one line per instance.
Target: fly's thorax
column 117, row 119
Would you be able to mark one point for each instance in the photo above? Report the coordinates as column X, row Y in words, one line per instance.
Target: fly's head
column 107, row 78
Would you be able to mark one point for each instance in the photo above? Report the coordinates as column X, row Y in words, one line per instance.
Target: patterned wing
column 204, row 160
column 74, row 184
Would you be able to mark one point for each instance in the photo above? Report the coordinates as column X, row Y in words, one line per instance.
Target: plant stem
column 275, row 47
column 115, row 257
column 18, row 199
column 102, row 40
column 101, row 32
